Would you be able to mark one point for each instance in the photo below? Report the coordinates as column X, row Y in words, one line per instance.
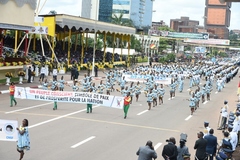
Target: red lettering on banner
column 32, row 91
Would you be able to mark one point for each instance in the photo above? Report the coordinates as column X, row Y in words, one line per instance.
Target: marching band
column 154, row 91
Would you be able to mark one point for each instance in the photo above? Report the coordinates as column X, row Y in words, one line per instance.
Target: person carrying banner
column 54, row 88
column 12, row 91
column 23, row 142
column 89, row 106
column 127, row 100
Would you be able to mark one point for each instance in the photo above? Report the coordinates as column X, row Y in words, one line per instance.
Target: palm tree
column 52, row 12
column 119, row 20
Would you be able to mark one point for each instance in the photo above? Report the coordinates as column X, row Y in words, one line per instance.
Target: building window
column 120, row 11
column 121, row 2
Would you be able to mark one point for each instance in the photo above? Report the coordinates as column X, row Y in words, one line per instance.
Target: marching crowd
column 147, row 80
column 151, row 77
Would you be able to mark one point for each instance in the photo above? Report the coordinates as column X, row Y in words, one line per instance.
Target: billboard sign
column 203, row 36
column 209, row 41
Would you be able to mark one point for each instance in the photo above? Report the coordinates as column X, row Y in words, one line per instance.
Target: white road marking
column 190, row 116
column 63, row 116
column 28, row 108
column 140, row 104
column 82, row 142
column 205, row 102
column 4, row 91
column 142, row 112
column 157, row 146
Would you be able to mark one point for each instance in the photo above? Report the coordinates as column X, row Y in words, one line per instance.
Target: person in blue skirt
column 138, row 90
column 75, row 87
column 155, row 95
column 23, row 142
column 101, row 87
column 149, row 99
column 192, row 103
column 181, row 83
column 161, row 92
column 61, row 84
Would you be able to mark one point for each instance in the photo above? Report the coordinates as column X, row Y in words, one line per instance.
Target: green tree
column 163, row 43
column 165, row 28
column 52, row 12
column 119, row 20
column 170, row 57
column 135, row 44
column 108, row 40
column 222, row 54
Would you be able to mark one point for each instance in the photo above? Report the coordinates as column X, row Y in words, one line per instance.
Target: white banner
column 8, row 130
column 71, row 97
column 118, row 102
column 39, row 30
column 209, row 41
column 142, row 78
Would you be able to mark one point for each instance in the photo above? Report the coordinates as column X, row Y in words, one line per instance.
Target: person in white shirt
column 206, row 129
column 233, row 137
column 42, row 75
column 224, row 114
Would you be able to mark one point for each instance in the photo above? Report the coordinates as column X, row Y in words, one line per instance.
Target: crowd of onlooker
column 62, row 52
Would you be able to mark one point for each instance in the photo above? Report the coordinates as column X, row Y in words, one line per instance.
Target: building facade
column 184, row 24
column 86, row 9
column 139, row 11
column 105, row 10
column 217, row 18
column 90, row 9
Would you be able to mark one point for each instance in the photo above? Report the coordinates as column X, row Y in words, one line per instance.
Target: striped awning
column 80, row 23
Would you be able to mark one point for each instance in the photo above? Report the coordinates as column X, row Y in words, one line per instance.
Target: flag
column 152, row 46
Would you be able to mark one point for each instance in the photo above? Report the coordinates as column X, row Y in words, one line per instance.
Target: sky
column 165, row 10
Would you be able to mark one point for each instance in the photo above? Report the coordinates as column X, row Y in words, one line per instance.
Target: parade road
column 71, row 133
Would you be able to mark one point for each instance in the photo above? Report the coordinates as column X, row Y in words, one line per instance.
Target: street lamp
column 94, row 42
column 204, row 25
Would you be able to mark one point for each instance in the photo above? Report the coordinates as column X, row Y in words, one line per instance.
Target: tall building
column 105, row 10
column 184, row 24
column 86, row 9
column 139, row 11
column 90, row 9
column 217, row 18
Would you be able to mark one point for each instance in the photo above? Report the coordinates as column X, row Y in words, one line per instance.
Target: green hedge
column 141, row 60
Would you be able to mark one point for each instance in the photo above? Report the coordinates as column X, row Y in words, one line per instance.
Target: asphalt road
column 69, row 133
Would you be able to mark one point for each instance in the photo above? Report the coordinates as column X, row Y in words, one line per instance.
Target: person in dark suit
column 96, row 70
column 211, row 144
column 169, row 151
column 147, row 152
column 200, row 146
column 29, row 74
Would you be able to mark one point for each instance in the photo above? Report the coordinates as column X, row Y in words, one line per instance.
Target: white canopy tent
column 124, row 51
